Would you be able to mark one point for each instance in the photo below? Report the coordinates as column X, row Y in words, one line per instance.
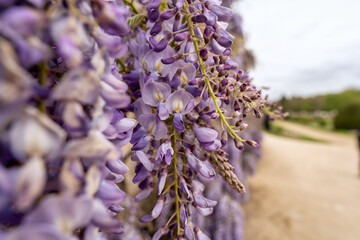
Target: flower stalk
column 42, row 81
column 206, row 79
column 176, row 185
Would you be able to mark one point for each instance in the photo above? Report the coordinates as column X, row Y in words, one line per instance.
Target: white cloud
column 304, row 47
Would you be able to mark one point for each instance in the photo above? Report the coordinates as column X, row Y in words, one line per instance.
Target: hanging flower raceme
column 80, row 80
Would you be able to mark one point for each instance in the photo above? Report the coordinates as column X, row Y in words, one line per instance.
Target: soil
column 305, row 190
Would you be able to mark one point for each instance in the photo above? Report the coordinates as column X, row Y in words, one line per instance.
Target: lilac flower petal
column 203, row 202
column 29, row 183
column 162, row 181
column 197, row 186
column 204, row 134
column 157, row 27
column 141, row 143
column 179, row 37
column 177, row 101
column 162, row 111
column 200, row 18
column 141, row 108
column 205, row 211
column 179, row 4
column 110, row 193
column 166, row 15
column 160, row 46
column 213, row 146
column 155, row 213
column 207, row 171
column 95, row 145
column 35, row 231
column 78, row 84
column 165, row 152
column 211, row 18
column 192, row 160
column 154, row 125
column 182, row 213
column 114, row 45
column 155, row 92
column 189, row 107
column 101, row 218
column 184, row 188
column 117, row 166
column 178, row 122
column 67, row 213
column 143, row 194
column 159, row 233
column 22, row 20
column 147, row 218
column 116, row 208
column 224, row 42
column 114, row 97
column 223, row 13
column 124, row 125
column 141, row 157
column 189, row 232
column 74, row 118
column 49, row 136
column 141, row 175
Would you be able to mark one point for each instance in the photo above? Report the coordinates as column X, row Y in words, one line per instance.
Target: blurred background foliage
column 331, row 111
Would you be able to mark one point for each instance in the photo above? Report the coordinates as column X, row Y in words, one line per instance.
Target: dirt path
column 305, row 190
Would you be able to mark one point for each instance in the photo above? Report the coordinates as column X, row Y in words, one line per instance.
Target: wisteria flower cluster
column 81, row 79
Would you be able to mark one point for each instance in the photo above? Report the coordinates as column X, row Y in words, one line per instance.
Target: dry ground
column 305, row 190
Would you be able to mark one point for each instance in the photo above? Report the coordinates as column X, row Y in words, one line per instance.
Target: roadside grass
column 280, row 131
column 327, row 125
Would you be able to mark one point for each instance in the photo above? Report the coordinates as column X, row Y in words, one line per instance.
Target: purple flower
column 140, row 156
column 203, row 202
column 155, row 94
column 111, row 17
column 155, row 213
column 165, row 152
column 180, row 102
column 110, row 193
column 49, row 136
column 22, row 20
column 79, row 84
column 207, row 138
column 223, row 13
column 159, row 233
column 29, row 184
column 39, row 231
column 162, row 180
column 200, row 235
column 114, row 45
column 64, row 212
column 153, row 125
column 94, row 147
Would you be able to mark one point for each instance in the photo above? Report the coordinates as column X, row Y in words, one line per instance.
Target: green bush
column 348, row 117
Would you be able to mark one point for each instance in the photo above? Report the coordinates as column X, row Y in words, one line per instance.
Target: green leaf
column 135, row 20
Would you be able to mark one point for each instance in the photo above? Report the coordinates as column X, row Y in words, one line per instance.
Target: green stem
column 131, row 4
column 176, row 185
column 123, row 66
column 206, row 78
column 42, row 81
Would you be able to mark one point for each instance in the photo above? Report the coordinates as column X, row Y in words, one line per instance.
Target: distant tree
column 349, row 118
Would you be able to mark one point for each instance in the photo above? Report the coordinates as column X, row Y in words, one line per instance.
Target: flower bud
column 238, row 144
column 257, row 113
column 243, row 126
column 156, row 28
column 166, row 15
column 252, row 143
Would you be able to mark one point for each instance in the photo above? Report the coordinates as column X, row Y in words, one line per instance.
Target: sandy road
column 305, row 190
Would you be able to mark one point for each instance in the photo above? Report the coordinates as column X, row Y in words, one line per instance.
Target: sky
column 303, row 47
